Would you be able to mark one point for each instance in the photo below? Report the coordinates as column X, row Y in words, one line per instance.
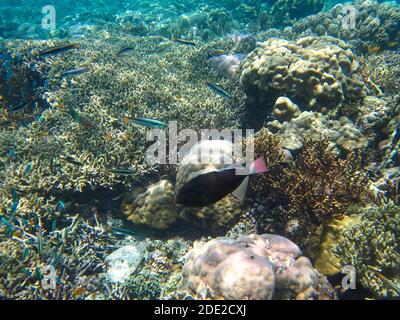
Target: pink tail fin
column 258, row 166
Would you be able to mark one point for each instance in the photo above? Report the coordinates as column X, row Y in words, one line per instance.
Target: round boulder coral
column 257, row 267
column 153, row 207
column 314, row 72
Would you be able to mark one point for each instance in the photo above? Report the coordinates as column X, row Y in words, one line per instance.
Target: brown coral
column 319, row 188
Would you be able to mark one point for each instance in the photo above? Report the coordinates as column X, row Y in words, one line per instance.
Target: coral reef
column 377, row 26
column 342, row 133
column 319, row 188
column 317, row 73
column 153, row 207
column 283, row 12
column 372, row 248
column 251, row 267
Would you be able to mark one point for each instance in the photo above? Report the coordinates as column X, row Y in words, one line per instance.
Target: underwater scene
column 199, row 150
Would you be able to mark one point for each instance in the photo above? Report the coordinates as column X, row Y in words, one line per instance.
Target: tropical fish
column 217, row 52
column 124, row 231
column 124, row 50
column 22, row 105
column 149, row 123
column 82, row 120
column 122, row 171
column 185, row 42
column 74, row 72
column 11, row 153
column 61, row 205
column 28, row 168
column 211, row 187
column 39, row 241
column 59, row 49
column 72, row 160
column 218, row 90
column 14, row 206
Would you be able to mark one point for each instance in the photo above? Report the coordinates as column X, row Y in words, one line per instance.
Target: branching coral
column 283, row 12
column 377, row 25
column 372, row 248
column 319, row 188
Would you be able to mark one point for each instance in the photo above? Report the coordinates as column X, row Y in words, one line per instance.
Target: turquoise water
column 106, row 105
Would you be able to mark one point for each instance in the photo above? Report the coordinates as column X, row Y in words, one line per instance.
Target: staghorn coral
column 251, row 267
column 377, row 26
column 372, row 248
column 112, row 90
column 319, row 188
column 284, row 12
column 317, row 73
column 76, row 251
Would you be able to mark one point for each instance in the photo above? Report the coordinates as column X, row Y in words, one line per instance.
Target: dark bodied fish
column 211, row 187
column 75, row 72
column 123, row 51
column 216, row 53
column 22, row 105
column 121, row 171
column 58, row 49
column 72, row 160
column 185, row 42
column 123, row 231
column 218, row 90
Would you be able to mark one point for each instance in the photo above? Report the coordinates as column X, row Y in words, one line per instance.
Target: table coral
column 261, row 267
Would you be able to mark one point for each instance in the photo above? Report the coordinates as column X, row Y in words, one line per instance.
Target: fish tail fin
column 240, row 192
column 258, row 166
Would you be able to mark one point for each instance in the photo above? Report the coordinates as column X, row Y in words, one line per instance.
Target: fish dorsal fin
column 240, row 192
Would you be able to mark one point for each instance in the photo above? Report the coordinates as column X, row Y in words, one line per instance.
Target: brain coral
column 252, row 267
column 314, row 72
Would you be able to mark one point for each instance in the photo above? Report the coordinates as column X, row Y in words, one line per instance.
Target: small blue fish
column 28, row 168
column 11, row 153
column 53, row 226
column 149, row 123
column 218, row 90
column 123, row 51
column 61, row 205
column 24, row 254
column 14, row 206
column 121, row 171
column 74, row 72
